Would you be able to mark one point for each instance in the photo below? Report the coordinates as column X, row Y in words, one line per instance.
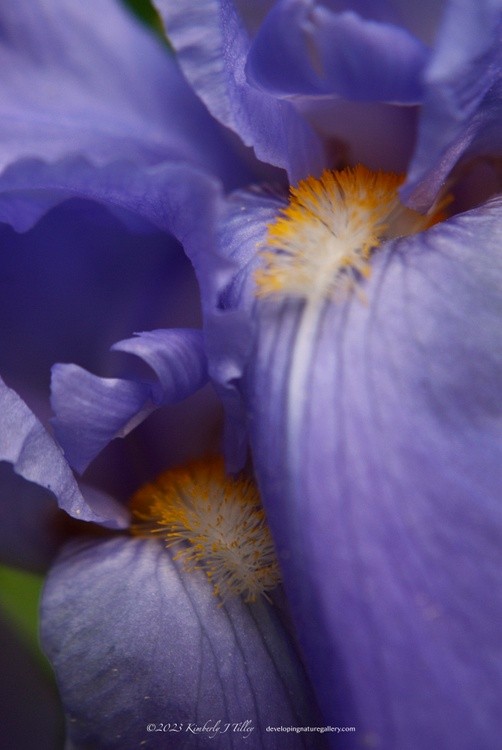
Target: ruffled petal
column 89, row 80
column 212, row 45
column 176, row 356
column 91, row 411
column 381, row 477
column 144, row 653
column 78, row 282
column 463, row 102
column 35, row 456
column 306, row 48
column 29, row 188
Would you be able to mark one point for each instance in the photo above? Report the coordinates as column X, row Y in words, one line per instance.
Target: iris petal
column 176, row 356
column 304, row 48
column 212, row 44
column 383, row 497
column 29, row 188
column 227, row 289
column 91, row 81
column 136, row 641
column 36, row 457
column 463, row 102
column 91, row 411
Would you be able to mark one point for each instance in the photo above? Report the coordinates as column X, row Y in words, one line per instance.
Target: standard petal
column 36, row 457
column 304, row 48
column 383, row 491
column 89, row 80
column 212, row 45
column 91, row 411
column 463, row 102
column 144, row 654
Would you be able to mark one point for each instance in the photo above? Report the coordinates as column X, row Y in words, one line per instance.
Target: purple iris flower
column 366, row 389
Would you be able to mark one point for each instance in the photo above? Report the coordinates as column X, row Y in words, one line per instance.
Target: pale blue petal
column 87, row 79
column 160, row 195
column 35, row 456
column 135, row 640
column 384, row 493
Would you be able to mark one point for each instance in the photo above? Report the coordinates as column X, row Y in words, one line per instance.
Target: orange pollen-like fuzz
column 217, row 524
column 322, row 241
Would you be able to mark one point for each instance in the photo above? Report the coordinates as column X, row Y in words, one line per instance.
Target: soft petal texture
column 35, row 456
column 212, row 44
column 177, row 358
column 155, row 194
column 134, row 640
column 89, row 79
column 91, row 411
column 462, row 110
column 30, row 714
column 384, row 494
column 306, row 48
